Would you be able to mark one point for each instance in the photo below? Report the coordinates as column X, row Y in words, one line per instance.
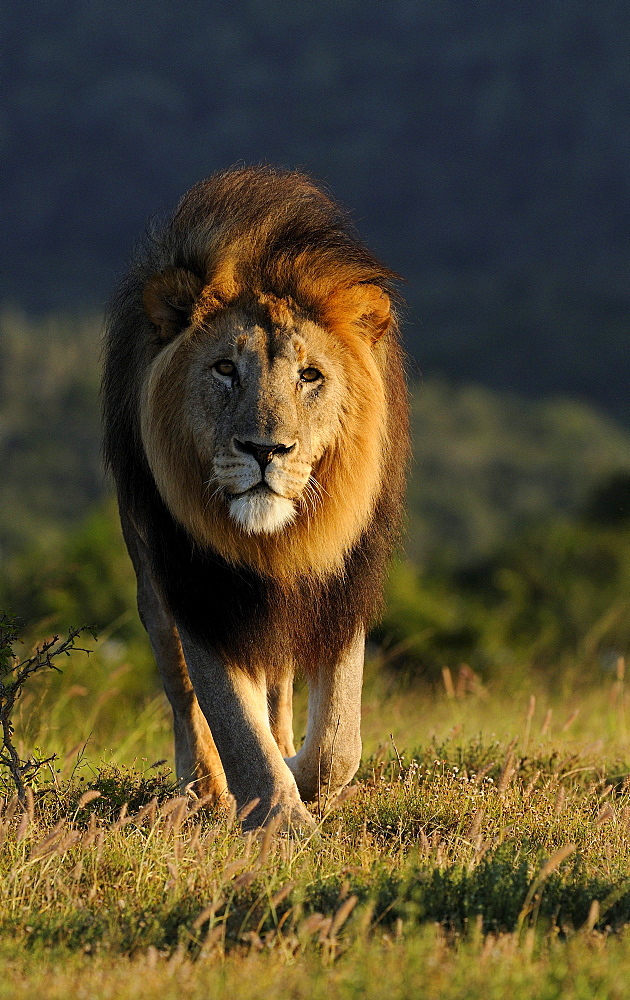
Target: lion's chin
column 261, row 512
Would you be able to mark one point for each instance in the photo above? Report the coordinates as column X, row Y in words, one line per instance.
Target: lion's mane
column 246, row 235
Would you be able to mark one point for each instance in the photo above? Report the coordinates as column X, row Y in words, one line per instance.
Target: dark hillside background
column 482, row 147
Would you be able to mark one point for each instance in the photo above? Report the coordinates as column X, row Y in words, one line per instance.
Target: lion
column 255, row 422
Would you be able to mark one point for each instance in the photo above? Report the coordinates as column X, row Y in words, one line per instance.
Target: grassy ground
column 484, row 850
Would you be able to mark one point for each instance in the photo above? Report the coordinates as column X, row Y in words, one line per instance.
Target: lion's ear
column 169, row 299
column 375, row 311
column 367, row 307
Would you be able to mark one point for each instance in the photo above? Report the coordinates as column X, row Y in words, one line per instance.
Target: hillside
column 482, row 149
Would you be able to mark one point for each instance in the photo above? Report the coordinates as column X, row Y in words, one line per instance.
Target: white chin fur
column 261, row 513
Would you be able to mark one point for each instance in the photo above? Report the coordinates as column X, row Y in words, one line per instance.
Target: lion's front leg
column 235, row 706
column 330, row 754
column 197, row 761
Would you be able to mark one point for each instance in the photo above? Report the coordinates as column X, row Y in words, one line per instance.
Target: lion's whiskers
column 317, row 486
column 311, row 496
column 309, row 500
column 218, row 490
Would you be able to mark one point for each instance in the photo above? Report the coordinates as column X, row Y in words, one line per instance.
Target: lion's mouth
column 258, row 489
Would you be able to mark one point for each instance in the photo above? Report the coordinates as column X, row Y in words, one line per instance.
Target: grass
column 483, row 848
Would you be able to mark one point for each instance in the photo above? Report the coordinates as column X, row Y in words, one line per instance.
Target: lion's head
column 255, row 411
column 263, row 427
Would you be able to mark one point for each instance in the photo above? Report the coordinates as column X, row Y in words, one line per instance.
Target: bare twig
column 14, row 674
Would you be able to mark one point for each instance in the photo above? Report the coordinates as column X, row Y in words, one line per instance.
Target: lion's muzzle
column 259, row 484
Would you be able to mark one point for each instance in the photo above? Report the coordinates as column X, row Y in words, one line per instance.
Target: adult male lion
column 255, row 424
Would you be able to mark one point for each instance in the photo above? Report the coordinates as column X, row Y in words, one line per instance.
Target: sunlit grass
column 483, row 850
column 430, row 867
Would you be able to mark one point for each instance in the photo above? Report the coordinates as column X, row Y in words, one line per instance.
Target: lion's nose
column 263, row 451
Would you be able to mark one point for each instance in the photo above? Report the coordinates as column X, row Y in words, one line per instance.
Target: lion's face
column 263, row 428
column 263, row 405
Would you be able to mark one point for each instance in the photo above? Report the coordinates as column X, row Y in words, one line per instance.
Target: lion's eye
column 224, row 367
column 310, row 375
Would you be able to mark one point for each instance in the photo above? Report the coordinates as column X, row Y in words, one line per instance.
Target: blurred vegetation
column 554, row 600
column 518, row 540
column 482, row 148
column 49, row 426
column 551, row 604
column 488, row 464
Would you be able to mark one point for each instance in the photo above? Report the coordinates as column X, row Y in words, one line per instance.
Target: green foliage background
column 516, row 552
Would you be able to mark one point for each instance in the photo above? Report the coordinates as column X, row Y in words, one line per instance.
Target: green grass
column 483, row 850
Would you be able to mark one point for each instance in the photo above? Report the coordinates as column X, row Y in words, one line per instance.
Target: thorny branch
column 14, row 675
